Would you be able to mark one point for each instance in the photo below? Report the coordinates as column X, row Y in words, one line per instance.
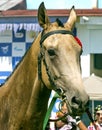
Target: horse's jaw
column 74, row 95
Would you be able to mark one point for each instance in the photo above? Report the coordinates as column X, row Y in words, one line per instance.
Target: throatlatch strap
column 49, row 110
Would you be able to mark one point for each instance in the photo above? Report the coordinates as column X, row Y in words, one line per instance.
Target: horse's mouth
column 73, row 111
column 76, row 108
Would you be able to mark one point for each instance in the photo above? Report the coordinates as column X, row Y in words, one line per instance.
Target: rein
column 90, row 117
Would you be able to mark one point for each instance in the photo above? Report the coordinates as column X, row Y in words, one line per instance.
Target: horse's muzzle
column 78, row 107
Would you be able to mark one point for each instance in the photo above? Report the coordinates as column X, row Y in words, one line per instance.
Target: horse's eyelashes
column 51, row 52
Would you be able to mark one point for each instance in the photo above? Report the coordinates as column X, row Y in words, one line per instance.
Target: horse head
column 60, row 54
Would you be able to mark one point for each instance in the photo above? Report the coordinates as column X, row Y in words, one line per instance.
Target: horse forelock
column 59, row 22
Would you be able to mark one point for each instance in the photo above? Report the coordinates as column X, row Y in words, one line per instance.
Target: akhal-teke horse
column 51, row 63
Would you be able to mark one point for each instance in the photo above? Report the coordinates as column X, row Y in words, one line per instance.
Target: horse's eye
column 51, row 52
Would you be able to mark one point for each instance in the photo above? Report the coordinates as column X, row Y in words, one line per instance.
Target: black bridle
column 41, row 57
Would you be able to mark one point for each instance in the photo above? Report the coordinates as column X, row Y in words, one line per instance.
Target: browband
column 54, row 32
column 57, row 32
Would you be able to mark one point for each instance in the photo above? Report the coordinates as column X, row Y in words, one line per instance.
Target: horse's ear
column 42, row 16
column 72, row 19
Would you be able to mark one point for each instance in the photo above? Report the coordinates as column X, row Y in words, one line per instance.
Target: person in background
column 68, row 123
column 98, row 119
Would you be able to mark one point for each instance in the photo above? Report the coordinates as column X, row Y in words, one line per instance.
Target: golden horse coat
column 24, row 96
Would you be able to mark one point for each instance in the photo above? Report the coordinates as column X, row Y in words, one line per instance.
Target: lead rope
column 47, row 116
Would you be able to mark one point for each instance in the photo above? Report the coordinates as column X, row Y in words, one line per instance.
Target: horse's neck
column 25, row 73
column 23, row 92
column 22, row 80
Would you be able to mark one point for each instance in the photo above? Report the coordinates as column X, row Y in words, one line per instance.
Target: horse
column 51, row 63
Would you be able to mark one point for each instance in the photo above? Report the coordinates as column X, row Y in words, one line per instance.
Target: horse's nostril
column 76, row 100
